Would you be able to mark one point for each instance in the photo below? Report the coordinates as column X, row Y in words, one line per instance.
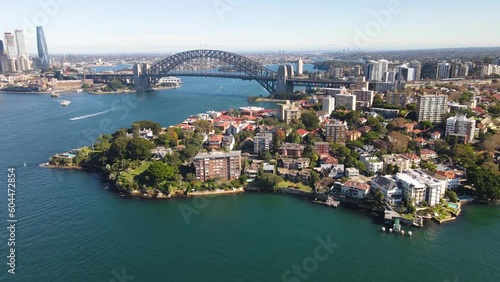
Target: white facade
column 461, row 126
column 300, row 67
column 262, row 142
column 420, row 186
column 412, row 189
column 431, row 107
column 372, row 163
column 328, row 104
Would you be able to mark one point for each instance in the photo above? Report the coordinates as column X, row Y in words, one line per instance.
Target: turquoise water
column 71, row 228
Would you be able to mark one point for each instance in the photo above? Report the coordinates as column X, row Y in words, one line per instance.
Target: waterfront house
column 388, row 186
column 355, row 189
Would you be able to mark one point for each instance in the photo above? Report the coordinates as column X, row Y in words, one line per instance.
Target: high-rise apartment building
column 461, row 127
column 397, row 99
column 443, row 71
column 348, row 101
column 431, row 107
column 10, row 45
column 328, row 104
column 288, row 112
column 262, row 142
column 227, row 166
column 364, row 96
column 336, row 131
column 418, row 69
column 300, row 67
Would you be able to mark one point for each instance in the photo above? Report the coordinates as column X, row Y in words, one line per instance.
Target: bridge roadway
column 296, row 82
column 145, row 77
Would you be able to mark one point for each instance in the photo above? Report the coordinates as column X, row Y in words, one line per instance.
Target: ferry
column 65, row 103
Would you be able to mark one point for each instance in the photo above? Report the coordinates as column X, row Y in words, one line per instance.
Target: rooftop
column 218, row 155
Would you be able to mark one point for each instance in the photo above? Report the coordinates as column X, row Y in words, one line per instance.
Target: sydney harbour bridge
column 215, row 63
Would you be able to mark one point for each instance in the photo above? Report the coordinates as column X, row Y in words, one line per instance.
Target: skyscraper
column 22, row 52
column 328, row 104
column 418, row 69
column 10, row 45
column 300, row 67
column 43, row 52
column 2, row 50
column 443, row 71
column 21, row 43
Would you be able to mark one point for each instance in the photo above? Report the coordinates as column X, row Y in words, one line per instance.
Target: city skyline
column 219, row 24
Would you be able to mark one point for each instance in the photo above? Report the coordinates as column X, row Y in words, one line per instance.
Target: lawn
column 300, row 186
column 137, row 171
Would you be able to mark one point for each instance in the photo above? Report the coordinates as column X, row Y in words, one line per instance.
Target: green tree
column 157, row 173
column 118, row 149
column 269, row 181
column 146, row 124
column 313, row 179
column 115, row 84
column 379, row 196
column 202, row 126
column 451, row 195
column 486, row 182
column 310, row 119
column 425, row 124
column 139, row 148
column 464, row 155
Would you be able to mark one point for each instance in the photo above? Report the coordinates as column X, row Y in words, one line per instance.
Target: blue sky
column 73, row 26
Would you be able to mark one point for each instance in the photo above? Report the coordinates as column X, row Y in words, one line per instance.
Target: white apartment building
column 461, row 127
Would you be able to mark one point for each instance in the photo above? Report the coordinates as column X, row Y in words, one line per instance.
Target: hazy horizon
column 148, row 27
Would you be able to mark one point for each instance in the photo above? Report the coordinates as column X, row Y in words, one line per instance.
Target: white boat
column 79, row 90
column 54, row 94
column 65, row 102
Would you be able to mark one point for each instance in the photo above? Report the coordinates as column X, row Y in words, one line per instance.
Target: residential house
column 298, row 164
column 453, row 178
column 393, row 194
column 414, row 158
column 291, row 149
column 322, row 148
column 396, row 160
column 426, row 154
column 372, row 163
column 351, row 172
column 228, row 142
column 355, row 189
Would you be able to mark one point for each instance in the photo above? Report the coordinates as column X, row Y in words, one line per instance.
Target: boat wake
column 93, row 115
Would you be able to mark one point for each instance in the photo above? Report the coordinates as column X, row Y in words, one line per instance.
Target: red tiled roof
column 357, row 184
column 302, row 132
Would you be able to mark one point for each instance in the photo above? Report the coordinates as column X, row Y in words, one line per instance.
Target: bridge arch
column 253, row 70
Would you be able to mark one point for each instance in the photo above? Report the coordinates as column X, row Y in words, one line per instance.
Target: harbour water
column 70, row 228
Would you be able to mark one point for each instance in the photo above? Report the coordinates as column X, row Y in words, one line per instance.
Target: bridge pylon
column 142, row 81
column 285, row 73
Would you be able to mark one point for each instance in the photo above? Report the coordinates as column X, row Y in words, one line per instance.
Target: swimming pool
column 453, row 206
